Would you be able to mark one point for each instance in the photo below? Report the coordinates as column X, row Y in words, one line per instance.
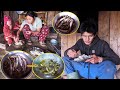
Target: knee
column 109, row 67
column 65, row 58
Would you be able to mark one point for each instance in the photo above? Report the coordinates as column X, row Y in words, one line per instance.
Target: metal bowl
column 20, row 12
column 71, row 15
column 36, row 51
column 9, row 73
column 47, row 57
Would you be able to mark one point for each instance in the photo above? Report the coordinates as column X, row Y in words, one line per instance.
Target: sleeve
column 109, row 54
column 39, row 23
column 75, row 47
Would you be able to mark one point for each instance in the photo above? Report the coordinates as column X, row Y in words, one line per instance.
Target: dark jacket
column 98, row 47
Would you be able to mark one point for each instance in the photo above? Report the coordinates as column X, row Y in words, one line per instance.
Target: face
column 29, row 19
column 72, row 54
column 87, row 38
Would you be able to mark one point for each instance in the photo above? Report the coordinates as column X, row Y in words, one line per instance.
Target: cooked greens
column 49, row 67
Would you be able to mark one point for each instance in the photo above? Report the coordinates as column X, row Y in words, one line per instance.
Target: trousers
column 103, row 70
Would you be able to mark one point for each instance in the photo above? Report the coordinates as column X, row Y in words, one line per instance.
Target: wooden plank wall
column 67, row 41
column 109, row 28
column 50, row 16
column 103, row 25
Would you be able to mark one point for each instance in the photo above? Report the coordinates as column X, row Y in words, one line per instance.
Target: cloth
column 103, row 70
column 42, row 35
column 8, row 33
column 37, row 24
column 82, row 58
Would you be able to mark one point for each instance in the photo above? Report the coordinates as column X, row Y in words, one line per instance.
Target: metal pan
column 68, row 31
column 47, row 57
column 18, row 72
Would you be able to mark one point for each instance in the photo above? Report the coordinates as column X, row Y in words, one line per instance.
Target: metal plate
column 20, row 12
column 5, row 66
column 70, row 14
column 37, row 49
column 46, row 57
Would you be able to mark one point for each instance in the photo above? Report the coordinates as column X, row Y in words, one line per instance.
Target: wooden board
column 43, row 16
column 71, row 40
column 50, row 17
column 114, row 30
column 64, row 44
column 118, row 34
column 103, row 25
column 78, row 36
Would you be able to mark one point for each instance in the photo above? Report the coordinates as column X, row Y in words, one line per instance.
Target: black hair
column 89, row 26
column 31, row 13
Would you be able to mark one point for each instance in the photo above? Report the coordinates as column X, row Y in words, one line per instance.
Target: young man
column 103, row 63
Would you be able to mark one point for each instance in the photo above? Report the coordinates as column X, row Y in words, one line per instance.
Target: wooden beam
column 50, row 17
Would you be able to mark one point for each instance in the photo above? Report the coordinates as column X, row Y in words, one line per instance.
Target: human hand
column 94, row 59
column 72, row 53
column 16, row 39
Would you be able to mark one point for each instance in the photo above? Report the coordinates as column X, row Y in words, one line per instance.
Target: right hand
column 17, row 39
column 95, row 59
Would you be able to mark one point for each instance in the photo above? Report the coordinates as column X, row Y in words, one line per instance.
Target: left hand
column 95, row 59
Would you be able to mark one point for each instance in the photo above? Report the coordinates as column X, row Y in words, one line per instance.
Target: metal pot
column 47, row 57
column 66, row 31
column 15, row 74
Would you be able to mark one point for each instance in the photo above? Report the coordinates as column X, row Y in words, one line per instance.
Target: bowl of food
column 53, row 41
column 14, row 65
column 48, row 66
column 36, row 51
column 66, row 23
